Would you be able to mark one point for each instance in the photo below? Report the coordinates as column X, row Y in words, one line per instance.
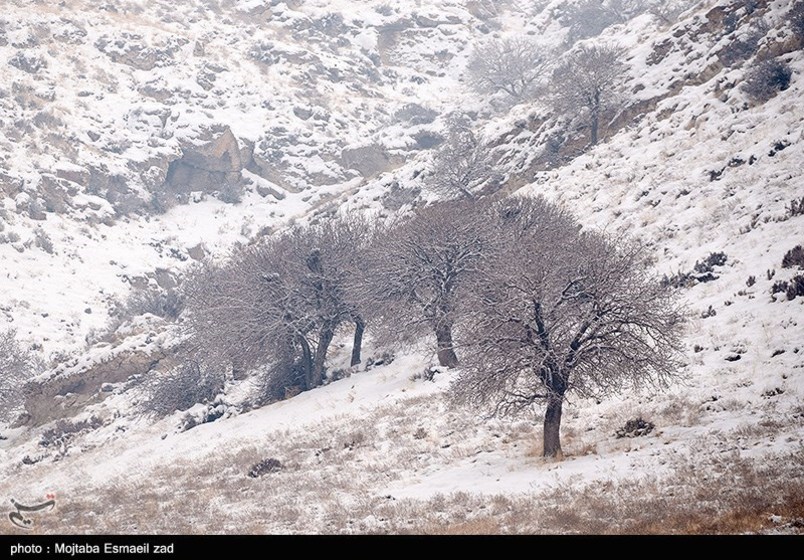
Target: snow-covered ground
column 703, row 169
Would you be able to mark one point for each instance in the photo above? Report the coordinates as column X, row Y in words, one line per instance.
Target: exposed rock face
column 369, row 161
column 209, row 167
column 65, row 396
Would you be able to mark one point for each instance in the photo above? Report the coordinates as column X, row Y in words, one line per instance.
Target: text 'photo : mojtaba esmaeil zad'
column 425, row 267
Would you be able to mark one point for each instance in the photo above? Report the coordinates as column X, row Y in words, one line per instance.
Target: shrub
column 795, row 287
column 708, row 264
column 167, row 304
column 181, row 388
column 43, row 241
column 231, row 193
column 767, row 78
column 265, row 466
column 794, row 257
column 60, row 434
column 779, row 286
column 702, row 271
column 635, row 428
column 796, row 208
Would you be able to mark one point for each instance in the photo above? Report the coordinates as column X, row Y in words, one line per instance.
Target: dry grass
column 335, row 475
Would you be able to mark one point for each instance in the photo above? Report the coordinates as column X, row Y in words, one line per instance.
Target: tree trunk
column 552, row 427
column 595, row 110
column 307, row 363
column 360, row 326
column 324, row 340
column 446, row 352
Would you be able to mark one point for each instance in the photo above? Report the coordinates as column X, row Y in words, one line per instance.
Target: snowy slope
column 691, row 166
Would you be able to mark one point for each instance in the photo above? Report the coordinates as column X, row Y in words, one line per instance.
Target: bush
column 702, row 271
column 265, row 466
column 635, row 428
column 767, row 78
column 791, row 289
column 708, row 264
column 795, row 287
column 63, row 431
column 796, row 208
column 231, row 193
column 43, row 241
column 167, row 304
column 181, row 388
column 794, row 257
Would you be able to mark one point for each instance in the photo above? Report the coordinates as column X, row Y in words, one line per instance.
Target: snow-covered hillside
column 321, row 105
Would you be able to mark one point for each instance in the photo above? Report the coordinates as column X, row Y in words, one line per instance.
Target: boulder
column 369, row 161
column 206, row 168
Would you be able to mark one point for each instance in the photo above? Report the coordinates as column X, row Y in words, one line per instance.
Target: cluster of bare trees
column 529, row 307
column 584, row 88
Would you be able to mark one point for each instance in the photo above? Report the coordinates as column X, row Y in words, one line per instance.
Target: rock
column 66, row 394
column 74, row 174
column 165, row 279
column 29, row 63
column 369, row 161
column 208, row 167
column 57, row 193
column 303, row 113
column 197, row 252
column 265, row 190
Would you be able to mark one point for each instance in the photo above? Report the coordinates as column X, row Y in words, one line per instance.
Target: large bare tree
column 589, row 80
column 557, row 311
column 281, row 301
column 414, row 280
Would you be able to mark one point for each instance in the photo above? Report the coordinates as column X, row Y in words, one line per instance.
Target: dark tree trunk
column 595, row 124
column 552, row 427
column 360, row 326
column 307, row 364
column 324, row 340
column 446, row 352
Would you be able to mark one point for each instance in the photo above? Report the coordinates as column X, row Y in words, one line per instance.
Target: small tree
column 509, row 65
column 415, row 276
column 461, row 164
column 17, row 365
column 557, row 311
column 589, row 80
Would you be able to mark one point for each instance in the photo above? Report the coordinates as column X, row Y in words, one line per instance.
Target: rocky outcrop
column 66, row 395
column 209, row 167
column 369, row 161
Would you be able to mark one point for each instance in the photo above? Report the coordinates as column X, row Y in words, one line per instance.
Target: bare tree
column 589, row 80
column 557, row 311
column 281, row 302
column 509, row 65
column 462, row 163
column 415, row 275
column 17, row 365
